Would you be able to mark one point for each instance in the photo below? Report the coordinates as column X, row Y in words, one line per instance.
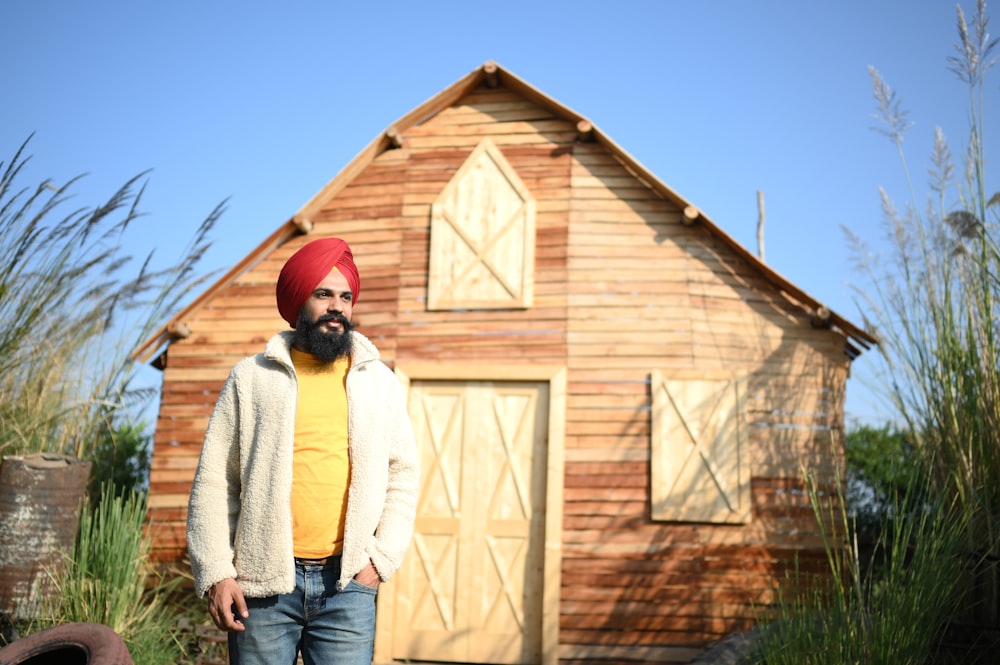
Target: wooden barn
column 613, row 399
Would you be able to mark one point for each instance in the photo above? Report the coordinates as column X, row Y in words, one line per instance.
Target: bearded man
column 305, row 494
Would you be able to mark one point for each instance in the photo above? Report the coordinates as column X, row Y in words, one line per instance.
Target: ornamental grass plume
column 934, row 301
column 930, row 592
column 73, row 305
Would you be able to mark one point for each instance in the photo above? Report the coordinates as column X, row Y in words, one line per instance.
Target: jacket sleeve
column 395, row 527
column 214, row 503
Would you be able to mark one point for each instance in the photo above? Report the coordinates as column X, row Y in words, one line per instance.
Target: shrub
column 107, row 580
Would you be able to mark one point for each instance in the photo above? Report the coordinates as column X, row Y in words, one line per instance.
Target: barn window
column 482, row 247
column 699, row 464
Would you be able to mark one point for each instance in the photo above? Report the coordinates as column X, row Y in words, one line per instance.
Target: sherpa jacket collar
column 278, row 349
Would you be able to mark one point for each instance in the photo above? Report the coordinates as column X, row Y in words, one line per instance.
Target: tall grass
column 934, row 301
column 929, row 590
column 73, row 305
column 887, row 605
column 107, row 580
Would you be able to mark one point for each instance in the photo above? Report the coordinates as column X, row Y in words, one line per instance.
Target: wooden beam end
column 490, row 70
column 395, row 138
column 821, row 317
column 179, row 330
column 691, row 215
column 303, row 224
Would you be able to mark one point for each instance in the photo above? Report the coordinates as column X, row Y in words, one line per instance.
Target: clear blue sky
column 263, row 103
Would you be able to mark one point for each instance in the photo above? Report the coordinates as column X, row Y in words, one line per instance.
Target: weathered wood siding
column 622, row 288
column 649, row 292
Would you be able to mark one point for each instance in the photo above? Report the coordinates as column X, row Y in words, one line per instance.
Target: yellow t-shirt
column 321, row 465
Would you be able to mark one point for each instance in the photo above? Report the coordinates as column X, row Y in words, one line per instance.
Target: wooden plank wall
column 649, row 292
column 622, row 287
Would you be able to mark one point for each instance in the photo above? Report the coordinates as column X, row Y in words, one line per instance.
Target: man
column 305, row 493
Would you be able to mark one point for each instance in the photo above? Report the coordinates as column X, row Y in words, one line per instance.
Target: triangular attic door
column 482, row 252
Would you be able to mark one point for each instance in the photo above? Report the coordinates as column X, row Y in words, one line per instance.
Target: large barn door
column 470, row 589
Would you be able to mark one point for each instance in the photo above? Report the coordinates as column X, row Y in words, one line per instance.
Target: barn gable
column 637, row 391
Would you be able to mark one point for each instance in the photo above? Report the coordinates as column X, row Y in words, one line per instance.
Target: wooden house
column 614, row 401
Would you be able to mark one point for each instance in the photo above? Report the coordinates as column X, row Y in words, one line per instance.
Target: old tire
column 68, row 644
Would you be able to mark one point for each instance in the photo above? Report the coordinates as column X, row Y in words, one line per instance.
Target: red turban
column 307, row 267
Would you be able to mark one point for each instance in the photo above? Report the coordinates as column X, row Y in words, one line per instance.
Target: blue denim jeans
column 329, row 627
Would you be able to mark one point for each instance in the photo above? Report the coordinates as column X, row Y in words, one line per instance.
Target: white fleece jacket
column 239, row 512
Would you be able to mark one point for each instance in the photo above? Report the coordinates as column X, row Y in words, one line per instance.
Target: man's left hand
column 368, row 576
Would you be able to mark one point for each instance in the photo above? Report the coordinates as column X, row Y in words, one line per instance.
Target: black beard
column 314, row 338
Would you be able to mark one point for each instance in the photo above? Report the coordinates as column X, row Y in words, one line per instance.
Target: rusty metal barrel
column 40, row 499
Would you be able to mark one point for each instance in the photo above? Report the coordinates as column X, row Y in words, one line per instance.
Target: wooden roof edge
column 388, row 138
column 821, row 315
column 301, row 222
column 510, row 80
column 145, row 351
column 819, row 311
column 490, row 73
column 695, row 214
